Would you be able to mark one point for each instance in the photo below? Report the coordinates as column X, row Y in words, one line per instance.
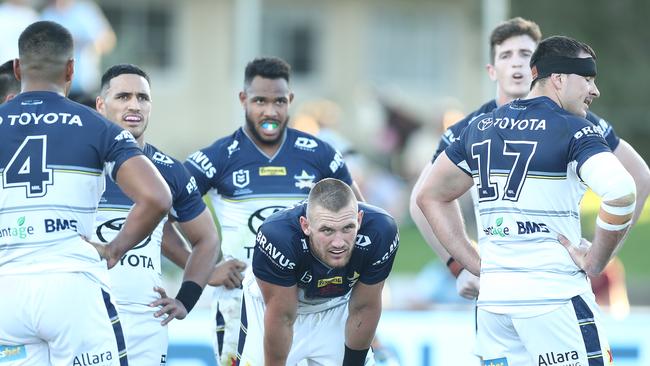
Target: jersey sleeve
column 385, row 241
column 451, row 135
column 274, row 257
column 457, row 153
column 186, row 201
column 118, row 146
column 202, row 166
column 607, row 130
column 335, row 166
column 585, row 142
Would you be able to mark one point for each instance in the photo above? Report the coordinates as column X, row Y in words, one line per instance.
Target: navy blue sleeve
column 275, row 254
column 451, row 135
column 119, row 146
column 385, row 241
column 186, row 200
column 334, row 165
column 202, row 166
column 586, row 142
column 607, row 130
column 457, row 153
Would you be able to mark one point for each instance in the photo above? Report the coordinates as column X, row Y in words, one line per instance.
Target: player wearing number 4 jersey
column 528, row 160
column 56, row 308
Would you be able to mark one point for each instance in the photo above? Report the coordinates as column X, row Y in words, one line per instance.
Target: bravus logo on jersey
column 497, row 229
column 273, row 253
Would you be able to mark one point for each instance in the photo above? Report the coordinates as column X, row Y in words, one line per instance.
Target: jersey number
column 488, row 190
column 27, row 168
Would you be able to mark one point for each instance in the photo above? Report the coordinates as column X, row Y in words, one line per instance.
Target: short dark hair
column 268, row 68
column 331, row 194
column 45, row 41
column 559, row 46
column 511, row 28
column 8, row 82
column 121, row 69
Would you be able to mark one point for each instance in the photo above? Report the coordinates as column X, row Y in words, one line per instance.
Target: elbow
column 158, row 200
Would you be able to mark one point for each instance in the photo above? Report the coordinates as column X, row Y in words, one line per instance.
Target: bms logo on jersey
column 305, row 143
column 109, row 229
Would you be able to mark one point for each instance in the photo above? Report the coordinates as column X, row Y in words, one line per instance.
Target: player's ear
column 290, row 97
column 242, row 97
column 69, row 69
column 557, row 80
column 360, row 217
column 492, row 72
column 99, row 104
column 17, row 72
column 304, row 225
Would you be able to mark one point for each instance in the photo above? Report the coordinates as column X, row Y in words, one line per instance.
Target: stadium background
column 393, row 71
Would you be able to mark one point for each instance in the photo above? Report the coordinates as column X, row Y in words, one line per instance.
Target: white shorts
column 569, row 335
column 58, row 319
column 145, row 338
column 227, row 307
column 318, row 338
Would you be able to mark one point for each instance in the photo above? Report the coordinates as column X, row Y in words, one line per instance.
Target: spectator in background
column 15, row 15
column 9, row 85
column 93, row 37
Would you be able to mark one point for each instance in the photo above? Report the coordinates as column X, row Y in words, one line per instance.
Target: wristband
column 611, row 227
column 454, row 267
column 189, row 294
column 353, row 357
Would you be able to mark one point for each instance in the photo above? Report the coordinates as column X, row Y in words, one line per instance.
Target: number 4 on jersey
column 27, row 168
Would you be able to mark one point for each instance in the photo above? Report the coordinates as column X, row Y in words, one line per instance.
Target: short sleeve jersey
column 52, row 157
column 135, row 275
column 283, row 257
column 525, row 158
column 454, row 131
column 246, row 186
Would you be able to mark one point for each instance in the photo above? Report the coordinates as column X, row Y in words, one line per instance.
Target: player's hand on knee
column 228, row 274
column 170, row 306
column 577, row 252
column 467, row 285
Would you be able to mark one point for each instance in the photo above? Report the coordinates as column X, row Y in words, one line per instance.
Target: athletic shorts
column 318, row 338
column 145, row 338
column 569, row 335
column 227, row 309
column 58, row 319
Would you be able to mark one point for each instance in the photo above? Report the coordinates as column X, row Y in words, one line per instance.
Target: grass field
column 414, row 253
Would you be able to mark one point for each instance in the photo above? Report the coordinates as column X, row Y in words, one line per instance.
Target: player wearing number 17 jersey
column 56, row 308
column 530, row 160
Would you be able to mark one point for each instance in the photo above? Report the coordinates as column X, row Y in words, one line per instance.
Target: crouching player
column 318, row 270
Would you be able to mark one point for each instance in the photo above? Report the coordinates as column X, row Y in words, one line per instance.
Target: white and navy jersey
column 457, row 128
column 524, row 158
column 135, row 275
column 246, row 186
column 52, row 157
column 282, row 257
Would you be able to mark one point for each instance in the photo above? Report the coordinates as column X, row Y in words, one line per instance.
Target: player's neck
column 269, row 149
column 30, row 86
